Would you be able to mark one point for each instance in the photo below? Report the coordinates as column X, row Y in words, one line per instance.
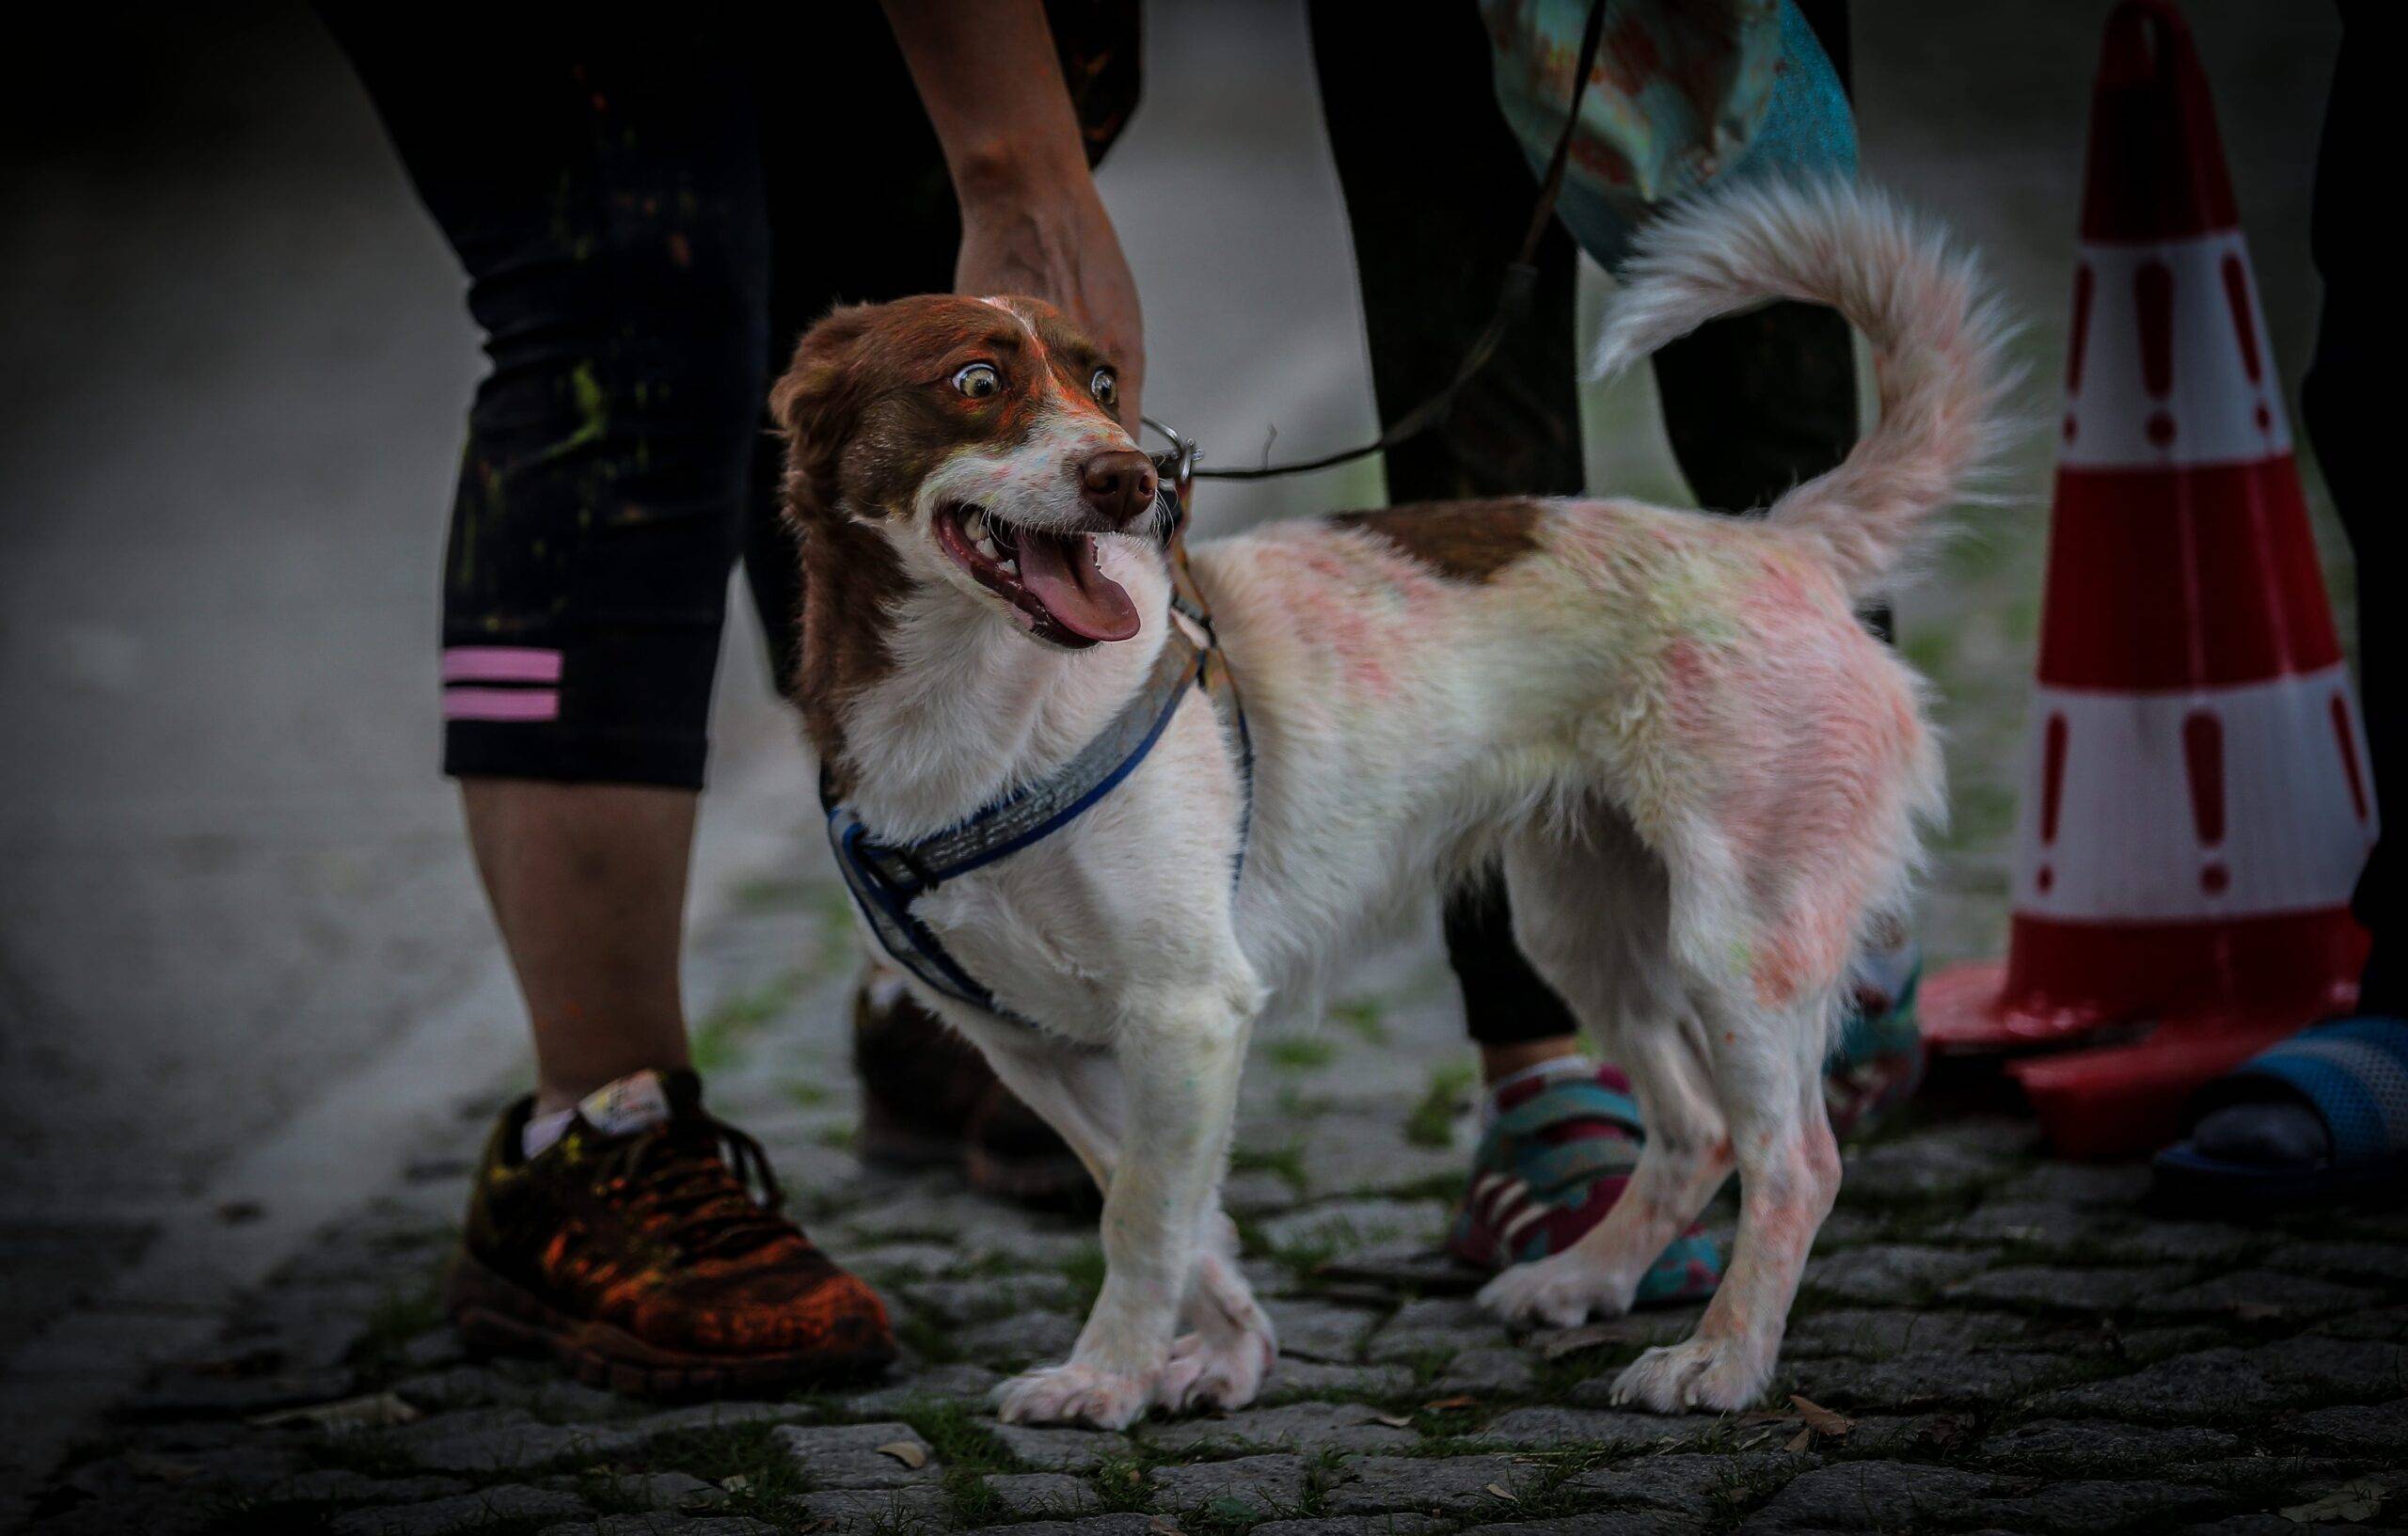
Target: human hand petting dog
column 1032, row 222
column 1057, row 245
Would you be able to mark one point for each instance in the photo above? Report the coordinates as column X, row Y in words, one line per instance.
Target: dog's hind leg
column 1591, row 917
column 1685, row 1158
column 1766, row 1065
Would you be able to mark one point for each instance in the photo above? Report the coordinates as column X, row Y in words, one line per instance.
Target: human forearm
column 987, row 73
column 1031, row 220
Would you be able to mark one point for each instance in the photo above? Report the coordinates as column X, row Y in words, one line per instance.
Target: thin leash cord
column 1512, row 297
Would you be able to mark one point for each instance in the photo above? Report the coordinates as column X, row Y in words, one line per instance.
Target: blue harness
column 885, row 879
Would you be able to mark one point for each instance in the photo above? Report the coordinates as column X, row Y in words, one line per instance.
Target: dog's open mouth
column 1053, row 580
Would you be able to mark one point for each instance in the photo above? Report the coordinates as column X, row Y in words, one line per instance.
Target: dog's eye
column 979, row 380
column 1105, row 387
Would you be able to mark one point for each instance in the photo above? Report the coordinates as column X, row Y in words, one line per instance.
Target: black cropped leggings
column 650, row 206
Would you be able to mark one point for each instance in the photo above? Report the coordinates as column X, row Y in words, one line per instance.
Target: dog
column 1703, row 780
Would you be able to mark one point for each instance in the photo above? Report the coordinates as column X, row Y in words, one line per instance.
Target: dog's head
column 983, row 438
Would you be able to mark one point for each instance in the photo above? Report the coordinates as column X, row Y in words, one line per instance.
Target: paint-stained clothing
column 650, row 207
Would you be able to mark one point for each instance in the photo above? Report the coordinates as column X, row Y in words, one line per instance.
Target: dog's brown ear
column 814, row 405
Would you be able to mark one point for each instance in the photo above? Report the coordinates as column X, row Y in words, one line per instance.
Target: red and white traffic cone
column 2197, row 805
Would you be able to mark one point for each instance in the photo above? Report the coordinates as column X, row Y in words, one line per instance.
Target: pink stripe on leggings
column 529, row 703
column 500, row 664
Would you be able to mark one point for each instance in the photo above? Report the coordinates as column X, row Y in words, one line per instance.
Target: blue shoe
column 2347, row 1078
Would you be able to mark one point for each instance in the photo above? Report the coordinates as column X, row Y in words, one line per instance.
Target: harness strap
column 907, row 942
column 1007, row 825
column 1176, row 479
column 885, row 879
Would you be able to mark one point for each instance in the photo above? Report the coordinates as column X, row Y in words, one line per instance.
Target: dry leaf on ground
column 377, row 1410
column 1821, row 1420
column 1573, row 1341
column 910, row 1453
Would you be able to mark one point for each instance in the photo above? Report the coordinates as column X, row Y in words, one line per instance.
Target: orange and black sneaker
column 633, row 1249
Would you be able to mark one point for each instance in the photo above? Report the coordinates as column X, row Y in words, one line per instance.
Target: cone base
column 2127, row 1100
column 2070, row 982
column 1965, row 1011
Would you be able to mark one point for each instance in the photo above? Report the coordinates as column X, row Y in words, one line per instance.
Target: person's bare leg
column 588, row 886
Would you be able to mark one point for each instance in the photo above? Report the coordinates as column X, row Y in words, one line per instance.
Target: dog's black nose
column 1118, row 485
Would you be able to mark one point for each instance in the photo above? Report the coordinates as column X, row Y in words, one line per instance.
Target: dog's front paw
column 1219, row 1369
column 1722, row 1375
column 1560, row 1292
column 1074, row 1394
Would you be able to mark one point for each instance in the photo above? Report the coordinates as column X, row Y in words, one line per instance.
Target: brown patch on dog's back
column 1463, row 541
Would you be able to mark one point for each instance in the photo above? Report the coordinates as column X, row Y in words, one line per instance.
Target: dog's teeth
column 987, row 548
column 973, row 526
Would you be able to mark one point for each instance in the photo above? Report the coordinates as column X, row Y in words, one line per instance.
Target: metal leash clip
column 1176, row 470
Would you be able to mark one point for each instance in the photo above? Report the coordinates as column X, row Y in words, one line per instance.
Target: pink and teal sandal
column 1558, row 1149
column 1556, row 1156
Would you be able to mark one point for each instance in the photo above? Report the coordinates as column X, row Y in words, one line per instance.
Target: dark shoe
column 644, row 1262
column 1008, row 1151
column 930, row 1100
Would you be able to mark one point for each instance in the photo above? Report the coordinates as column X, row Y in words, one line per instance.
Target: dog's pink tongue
column 1060, row 571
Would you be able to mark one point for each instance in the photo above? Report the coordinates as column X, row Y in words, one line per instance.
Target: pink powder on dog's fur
column 1360, row 649
column 1803, row 955
column 1365, row 612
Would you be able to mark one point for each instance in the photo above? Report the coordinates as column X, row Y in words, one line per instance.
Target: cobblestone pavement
column 1988, row 1340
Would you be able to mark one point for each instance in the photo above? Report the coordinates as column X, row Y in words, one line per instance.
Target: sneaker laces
column 692, row 1180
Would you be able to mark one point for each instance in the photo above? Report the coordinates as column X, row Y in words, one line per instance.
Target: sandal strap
column 1572, row 1164
column 1574, row 1098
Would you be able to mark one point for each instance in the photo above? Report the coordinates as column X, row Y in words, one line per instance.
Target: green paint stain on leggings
column 593, row 413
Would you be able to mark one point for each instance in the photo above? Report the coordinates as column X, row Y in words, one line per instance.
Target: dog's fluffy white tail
column 1938, row 336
